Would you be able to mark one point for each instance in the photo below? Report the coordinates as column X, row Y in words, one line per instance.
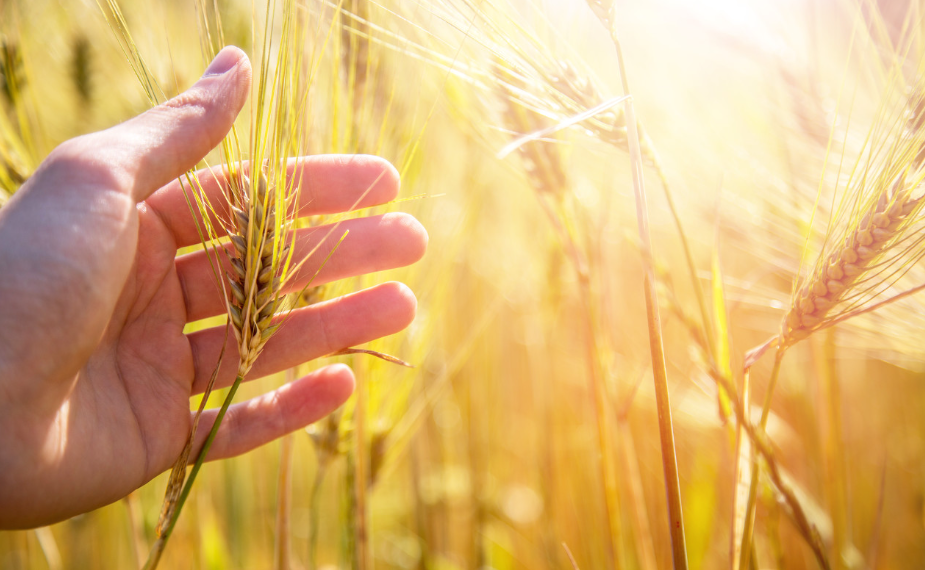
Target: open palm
column 96, row 373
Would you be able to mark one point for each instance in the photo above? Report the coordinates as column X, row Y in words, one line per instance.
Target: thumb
column 73, row 225
column 150, row 150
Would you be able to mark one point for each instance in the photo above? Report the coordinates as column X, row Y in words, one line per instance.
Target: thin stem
column 763, row 446
column 834, row 453
column 284, row 494
column 772, row 383
column 571, row 558
column 642, row 528
column 656, row 344
column 744, row 458
column 314, row 514
column 158, row 549
column 665, row 430
column 362, row 555
column 749, row 530
column 284, row 503
column 136, row 525
column 596, row 387
column 608, row 470
column 49, row 547
column 688, row 256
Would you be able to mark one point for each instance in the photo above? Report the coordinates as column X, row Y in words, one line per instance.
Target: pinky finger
column 263, row 419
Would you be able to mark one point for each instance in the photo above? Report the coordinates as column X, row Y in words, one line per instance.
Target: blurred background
column 526, row 436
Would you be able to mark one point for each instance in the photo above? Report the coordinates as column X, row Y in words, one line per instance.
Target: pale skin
column 96, row 373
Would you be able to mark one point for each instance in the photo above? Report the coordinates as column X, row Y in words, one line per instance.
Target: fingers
column 309, row 333
column 330, row 184
column 258, row 421
column 374, row 244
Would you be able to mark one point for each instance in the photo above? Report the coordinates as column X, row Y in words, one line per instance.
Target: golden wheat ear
column 879, row 237
column 844, row 268
column 257, row 257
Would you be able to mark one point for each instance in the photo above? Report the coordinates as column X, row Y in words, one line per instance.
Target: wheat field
column 743, row 235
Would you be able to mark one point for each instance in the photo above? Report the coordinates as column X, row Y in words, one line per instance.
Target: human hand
column 96, row 374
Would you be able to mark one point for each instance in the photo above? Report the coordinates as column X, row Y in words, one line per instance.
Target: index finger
column 331, row 184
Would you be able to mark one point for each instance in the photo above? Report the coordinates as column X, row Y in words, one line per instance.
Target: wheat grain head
column 880, row 235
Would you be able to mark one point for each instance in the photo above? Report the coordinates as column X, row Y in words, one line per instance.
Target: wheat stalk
column 876, row 245
column 282, row 547
column 325, row 437
column 604, row 10
column 259, row 261
column 721, row 373
column 839, row 276
column 544, row 165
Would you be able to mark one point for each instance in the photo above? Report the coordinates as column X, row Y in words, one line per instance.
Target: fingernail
column 224, row 61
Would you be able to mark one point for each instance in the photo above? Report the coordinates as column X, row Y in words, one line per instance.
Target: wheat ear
column 881, row 224
column 257, row 255
column 844, row 268
column 253, row 282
